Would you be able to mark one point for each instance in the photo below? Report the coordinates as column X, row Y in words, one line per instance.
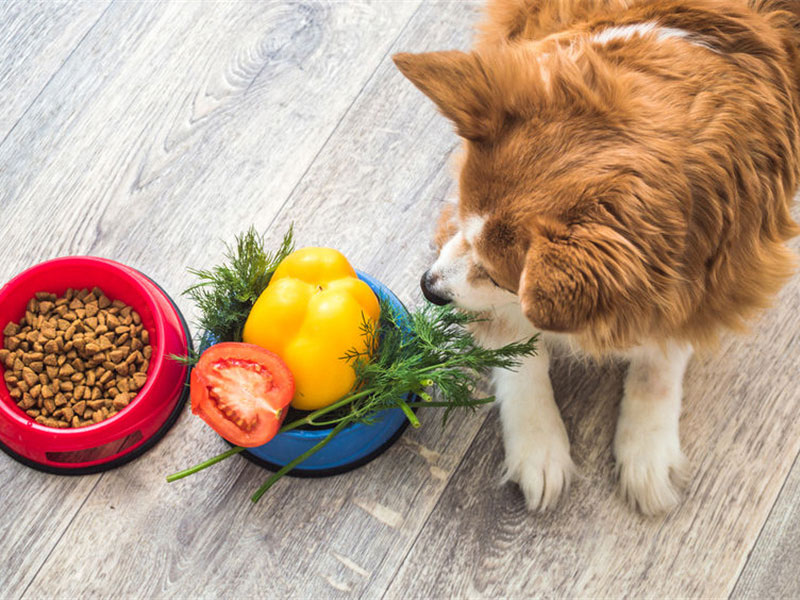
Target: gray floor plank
column 174, row 126
column 741, row 431
column 37, row 510
column 171, row 127
column 771, row 569
column 35, row 40
column 308, row 538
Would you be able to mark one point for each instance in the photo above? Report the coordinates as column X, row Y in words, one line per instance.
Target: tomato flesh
column 241, row 391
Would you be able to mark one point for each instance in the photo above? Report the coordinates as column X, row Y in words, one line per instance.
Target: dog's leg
column 650, row 463
column 536, row 444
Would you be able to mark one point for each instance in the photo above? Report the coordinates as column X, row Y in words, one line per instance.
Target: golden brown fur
column 637, row 189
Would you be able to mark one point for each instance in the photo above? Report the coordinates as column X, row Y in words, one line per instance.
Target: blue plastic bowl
column 352, row 447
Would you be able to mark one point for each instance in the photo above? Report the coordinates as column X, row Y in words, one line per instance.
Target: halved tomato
column 241, row 391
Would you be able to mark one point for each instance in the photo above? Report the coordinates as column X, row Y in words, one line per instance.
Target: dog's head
column 564, row 203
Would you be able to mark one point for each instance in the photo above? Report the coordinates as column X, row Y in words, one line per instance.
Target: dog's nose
column 426, row 283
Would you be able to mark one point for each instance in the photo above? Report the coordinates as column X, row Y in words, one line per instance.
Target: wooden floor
column 150, row 133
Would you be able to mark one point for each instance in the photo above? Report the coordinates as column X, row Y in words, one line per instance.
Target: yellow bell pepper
column 310, row 315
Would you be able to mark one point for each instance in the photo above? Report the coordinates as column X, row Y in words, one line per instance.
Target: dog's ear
column 575, row 276
column 457, row 83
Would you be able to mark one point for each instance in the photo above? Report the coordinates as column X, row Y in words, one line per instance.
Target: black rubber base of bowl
column 312, row 473
column 149, row 443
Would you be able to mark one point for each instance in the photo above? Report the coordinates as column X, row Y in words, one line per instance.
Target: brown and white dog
column 625, row 190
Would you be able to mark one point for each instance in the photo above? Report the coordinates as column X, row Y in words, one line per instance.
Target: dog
column 624, row 190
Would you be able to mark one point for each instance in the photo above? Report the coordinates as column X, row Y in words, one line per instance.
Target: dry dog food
column 75, row 360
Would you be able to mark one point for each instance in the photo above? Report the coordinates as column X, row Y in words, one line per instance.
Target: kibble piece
column 121, row 401
column 97, row 416
column 66, row 370
column 11, row 329
column 28, row 375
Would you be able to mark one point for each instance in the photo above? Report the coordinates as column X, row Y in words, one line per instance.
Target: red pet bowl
column 135, row 428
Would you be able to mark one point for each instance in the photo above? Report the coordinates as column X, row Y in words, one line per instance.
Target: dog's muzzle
column 426, row 283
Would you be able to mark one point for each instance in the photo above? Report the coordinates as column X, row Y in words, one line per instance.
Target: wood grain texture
column 170, row 127
column 167, row 537
column 772, row 569
column 36, row 38
column 174, row 126
column 741, row 431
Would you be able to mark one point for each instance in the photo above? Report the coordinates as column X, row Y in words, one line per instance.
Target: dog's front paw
column 651, row 468
column 539, row 462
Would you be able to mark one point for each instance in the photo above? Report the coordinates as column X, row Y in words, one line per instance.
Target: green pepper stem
column 291, row 465
column 204, row 464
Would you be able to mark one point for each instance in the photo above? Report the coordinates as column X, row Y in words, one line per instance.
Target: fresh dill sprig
column 225, row 294
column 425, row 358
column 428, row 349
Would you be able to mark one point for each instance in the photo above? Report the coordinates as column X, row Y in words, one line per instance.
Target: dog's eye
column 492, row 279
